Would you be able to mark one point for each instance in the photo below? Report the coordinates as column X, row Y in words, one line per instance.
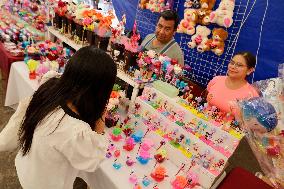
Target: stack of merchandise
column 83, row 24
column 51, row 57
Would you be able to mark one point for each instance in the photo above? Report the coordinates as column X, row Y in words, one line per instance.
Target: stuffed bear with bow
column 200, row 38
column 223, row 16
column 217, row 43
column 187, row 24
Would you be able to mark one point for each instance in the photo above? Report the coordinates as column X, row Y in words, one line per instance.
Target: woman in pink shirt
column 224, row 91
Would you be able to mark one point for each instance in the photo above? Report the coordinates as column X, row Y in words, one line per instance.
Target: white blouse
column 58, row 151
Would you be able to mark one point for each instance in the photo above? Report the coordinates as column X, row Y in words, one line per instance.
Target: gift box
column 101, row 42
column 130, row 59
column 118, row 47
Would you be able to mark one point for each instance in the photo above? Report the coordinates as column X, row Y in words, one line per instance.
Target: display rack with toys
column 194, row 121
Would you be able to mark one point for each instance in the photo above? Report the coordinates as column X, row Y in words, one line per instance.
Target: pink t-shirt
column 222, row 97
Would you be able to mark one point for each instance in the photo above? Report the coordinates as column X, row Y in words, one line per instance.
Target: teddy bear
column 217, row 43
column 143, row 4
column 207, row 4
column 223, row 15
column 204, row 12
column 187, row 24
column 195, row 4
column 200, row 38
column 156, row 5
column 203, row 16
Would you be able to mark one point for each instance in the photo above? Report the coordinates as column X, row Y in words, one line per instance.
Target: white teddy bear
column 223, row 16
column 200, row 38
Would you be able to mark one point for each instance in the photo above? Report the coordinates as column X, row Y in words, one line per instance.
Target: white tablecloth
column 107, row 177
column 19, row 84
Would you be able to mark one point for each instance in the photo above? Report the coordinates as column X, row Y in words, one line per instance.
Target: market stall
column 167, row 134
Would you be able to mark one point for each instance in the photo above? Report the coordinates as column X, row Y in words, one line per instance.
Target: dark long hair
column 86, row 82
column 249, row 57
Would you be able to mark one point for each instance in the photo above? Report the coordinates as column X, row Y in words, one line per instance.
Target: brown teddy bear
column 203, row 16
column 143, row 4
column 217, row 43
column 207, row 4
column 205, row 11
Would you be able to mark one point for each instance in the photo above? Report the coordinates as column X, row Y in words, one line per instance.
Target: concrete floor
column 243, row 156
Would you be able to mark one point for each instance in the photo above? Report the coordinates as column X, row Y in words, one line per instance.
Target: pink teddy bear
column 200, row 38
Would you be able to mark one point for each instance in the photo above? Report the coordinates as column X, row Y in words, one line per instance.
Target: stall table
column 6, row 59
column 19, row 84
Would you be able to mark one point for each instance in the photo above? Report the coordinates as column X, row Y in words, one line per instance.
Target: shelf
column 120, row 74
column 127, row 78
column 63, row 38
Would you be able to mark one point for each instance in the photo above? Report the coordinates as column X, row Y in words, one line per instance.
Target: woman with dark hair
column 60, row 128
column 224, row 91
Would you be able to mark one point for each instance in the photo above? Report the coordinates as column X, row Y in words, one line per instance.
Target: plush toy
column 156, row 5
column 217, row 43
column 207, row 4
column 223, row 16
column 195, row 4
column 204, row 12
column 203, row 16
column 187, row 24
column 200, row 38
column 143, row 4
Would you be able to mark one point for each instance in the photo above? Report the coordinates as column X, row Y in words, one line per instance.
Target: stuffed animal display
column 223, row 16
column 196, row 16
column 217, row 43
column 200, row 39
column 187, row 24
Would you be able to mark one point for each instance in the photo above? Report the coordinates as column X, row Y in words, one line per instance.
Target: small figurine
column 129, row 144
column 116, row 134
column 129, row 162
column 116, row 165
column 159, row 174
column 133, row 178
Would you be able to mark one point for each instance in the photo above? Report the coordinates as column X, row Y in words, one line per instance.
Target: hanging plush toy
column 200, row 38
column 204, row 12
column 143, row 4
column 187, row 24
column 203, row 16
column 223, row 16
column 217, row 43
column 207, row 4
column 195, row 4
column 156, row 5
